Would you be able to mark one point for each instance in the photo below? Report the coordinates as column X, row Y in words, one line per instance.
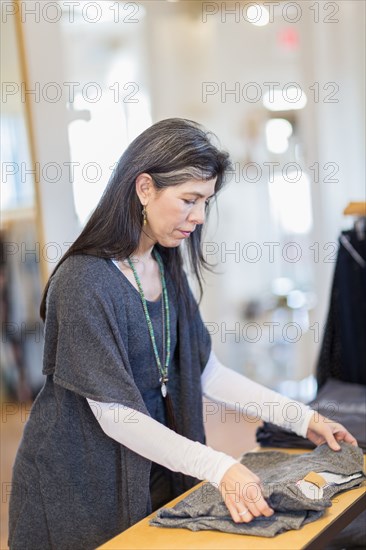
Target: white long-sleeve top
column 231, row 391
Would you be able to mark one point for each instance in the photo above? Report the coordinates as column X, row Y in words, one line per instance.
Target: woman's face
column 174, row 212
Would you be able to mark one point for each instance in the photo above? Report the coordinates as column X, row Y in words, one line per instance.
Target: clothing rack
column 358, row 210
column 355, row 209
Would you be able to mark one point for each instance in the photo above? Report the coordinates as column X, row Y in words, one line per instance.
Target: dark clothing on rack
column 343, row 350
column 280, row 474
column 340, row 401
column 73, row 486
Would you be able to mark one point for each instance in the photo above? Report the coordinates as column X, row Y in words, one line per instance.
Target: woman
column 117, row 430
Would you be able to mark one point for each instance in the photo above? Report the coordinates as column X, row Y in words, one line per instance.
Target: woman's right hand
column 241, row 492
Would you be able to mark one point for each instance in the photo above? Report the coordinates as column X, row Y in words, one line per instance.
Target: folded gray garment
column 294, row 502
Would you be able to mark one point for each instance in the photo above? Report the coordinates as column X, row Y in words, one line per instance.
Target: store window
column 109, row 104
column 20, row 273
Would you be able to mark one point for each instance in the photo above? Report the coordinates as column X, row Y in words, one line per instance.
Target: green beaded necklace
column 163, row 371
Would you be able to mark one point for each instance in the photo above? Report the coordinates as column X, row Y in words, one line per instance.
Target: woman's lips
column 185, row 233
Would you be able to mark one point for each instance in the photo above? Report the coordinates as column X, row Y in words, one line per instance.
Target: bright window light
column 278, row 131
column 103, row 138
column 107, row 11
column 282, row 286
column 289, row 98
column 291, row 201
column 133, row 96
column 296, row 299
column 258, row 15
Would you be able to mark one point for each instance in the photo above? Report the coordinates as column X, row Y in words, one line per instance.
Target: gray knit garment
column 204, row 508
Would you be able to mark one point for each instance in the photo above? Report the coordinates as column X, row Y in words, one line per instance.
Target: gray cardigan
column 73, row 486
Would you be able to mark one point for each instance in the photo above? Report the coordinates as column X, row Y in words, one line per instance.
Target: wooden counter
column 142, row 536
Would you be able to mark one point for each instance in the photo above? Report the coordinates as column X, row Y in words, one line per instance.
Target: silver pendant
column 163, row 389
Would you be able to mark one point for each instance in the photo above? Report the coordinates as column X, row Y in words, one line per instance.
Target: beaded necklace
column 166, row 324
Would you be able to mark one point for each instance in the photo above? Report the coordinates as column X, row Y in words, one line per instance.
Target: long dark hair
column 172, row 151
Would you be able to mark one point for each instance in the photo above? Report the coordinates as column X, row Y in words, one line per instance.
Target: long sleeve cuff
column 140, row 432
column 229, row 388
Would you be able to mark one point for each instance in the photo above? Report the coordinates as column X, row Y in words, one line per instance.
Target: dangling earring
column 144, row 215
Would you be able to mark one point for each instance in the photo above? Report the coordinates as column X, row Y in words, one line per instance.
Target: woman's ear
column 144, row 187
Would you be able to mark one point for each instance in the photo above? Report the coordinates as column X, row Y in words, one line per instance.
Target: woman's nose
column 197, row 214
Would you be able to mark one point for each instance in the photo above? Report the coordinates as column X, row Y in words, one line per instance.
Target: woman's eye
column 207, row 202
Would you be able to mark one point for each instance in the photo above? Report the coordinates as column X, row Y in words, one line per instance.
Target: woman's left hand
column 323, row 430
